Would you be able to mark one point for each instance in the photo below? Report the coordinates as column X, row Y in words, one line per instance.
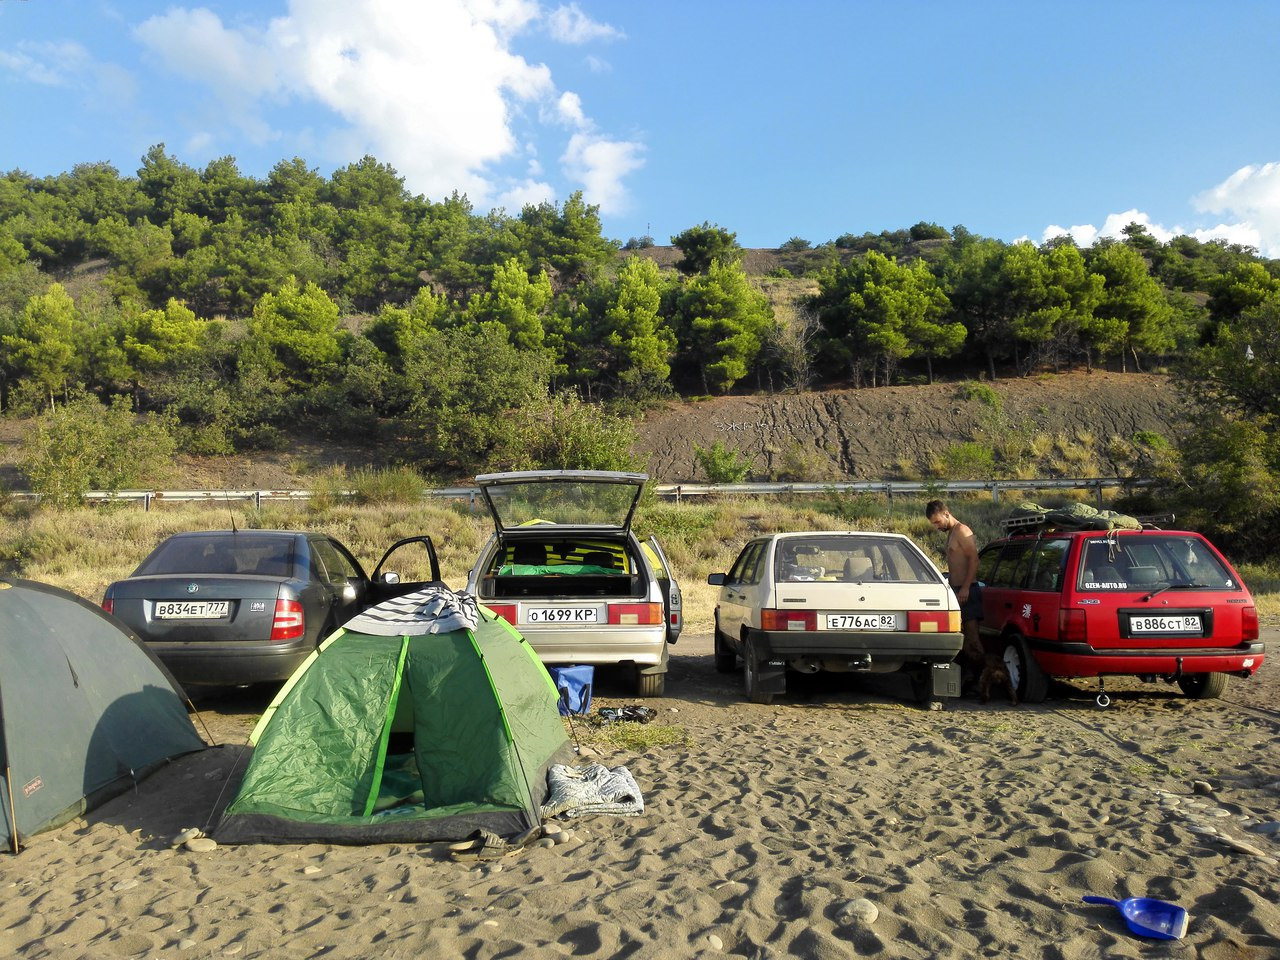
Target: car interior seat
column 1107, row 574
column 1144, row 575
column 532, row 554
column 599, row 558
column 856, row 568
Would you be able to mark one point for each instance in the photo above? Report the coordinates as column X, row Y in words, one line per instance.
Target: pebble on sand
column 187, row 833
column 201, row 844
column 861, row 911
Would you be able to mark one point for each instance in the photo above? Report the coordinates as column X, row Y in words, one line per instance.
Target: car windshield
column 221, row 553
column 844, row 558
column 577, row 501
column 1152, row 561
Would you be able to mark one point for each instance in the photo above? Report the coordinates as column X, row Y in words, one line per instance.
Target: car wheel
column 751, row 674
column 1203, row 686
column 650, row 684
column 1028, row 678
column 726, row 659
column 921, row 677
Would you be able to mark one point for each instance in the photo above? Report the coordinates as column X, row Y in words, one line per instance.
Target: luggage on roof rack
column 1031, row 517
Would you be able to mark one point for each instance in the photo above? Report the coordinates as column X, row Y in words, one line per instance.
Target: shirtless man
column 962, row 571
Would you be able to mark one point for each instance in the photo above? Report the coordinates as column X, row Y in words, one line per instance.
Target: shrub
column 984, row 393
column 82, row 445
column 722, row 465
column 968, row 461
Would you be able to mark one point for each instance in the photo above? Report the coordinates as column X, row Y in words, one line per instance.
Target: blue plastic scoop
column 1149, row 918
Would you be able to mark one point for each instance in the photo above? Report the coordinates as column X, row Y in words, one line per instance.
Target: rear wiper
column 1174, row 586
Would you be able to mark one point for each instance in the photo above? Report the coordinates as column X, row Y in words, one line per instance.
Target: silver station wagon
column 839, row 601
column 566, row 570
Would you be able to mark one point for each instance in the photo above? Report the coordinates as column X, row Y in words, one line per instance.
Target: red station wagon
column 1155, row 604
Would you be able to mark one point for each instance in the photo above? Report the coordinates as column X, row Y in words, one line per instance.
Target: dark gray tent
column 86, row 711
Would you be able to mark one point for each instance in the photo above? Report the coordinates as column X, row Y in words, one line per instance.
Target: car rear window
column 1152, row 561
column 221, row 554
column 850, row 559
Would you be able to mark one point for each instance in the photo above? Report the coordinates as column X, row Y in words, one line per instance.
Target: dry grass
column 84, row 549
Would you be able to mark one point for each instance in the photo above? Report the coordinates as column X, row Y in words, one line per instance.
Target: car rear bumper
column 233, row 663
column 601, row 646
column 833, row 645
column 1082, row 660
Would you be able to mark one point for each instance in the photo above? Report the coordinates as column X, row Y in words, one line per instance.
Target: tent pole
column 8, row 778
column 13, row 814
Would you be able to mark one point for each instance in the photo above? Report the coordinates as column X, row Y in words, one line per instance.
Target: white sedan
column 837, row 601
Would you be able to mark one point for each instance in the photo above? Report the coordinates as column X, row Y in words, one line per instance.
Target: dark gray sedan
column 230, row 607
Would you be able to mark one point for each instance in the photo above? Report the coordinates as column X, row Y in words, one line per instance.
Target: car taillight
column 1072, row 627
column 289, row 621
column 788, row 619
column 505, row 610
column 635, row 614
column 1249, row 623
column 109, row 605
column 933, row 621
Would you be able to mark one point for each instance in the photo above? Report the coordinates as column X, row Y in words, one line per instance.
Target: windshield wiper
column 1174, row 586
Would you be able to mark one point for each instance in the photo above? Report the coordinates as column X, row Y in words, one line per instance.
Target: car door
column 671, row 598
column 418, row 567
column 737, row 592
column 346, row 585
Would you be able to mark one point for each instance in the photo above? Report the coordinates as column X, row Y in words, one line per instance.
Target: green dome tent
column 422, row 719
column 86, row 711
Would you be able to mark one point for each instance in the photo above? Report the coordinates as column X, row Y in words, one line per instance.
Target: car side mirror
column 391, row 577
column 716, row 579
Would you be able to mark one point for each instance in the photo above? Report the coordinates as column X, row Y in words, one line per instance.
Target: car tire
column 751, row 674
column 1204, row 686
column 650, row 684
column 1028, row 678
column 725, row 658
column 921, row 678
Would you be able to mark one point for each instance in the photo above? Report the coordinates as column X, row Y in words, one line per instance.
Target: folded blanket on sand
column 578, row 792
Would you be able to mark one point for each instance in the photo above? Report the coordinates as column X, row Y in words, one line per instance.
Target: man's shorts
column 971, row 609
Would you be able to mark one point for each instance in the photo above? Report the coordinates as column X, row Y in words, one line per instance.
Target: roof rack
column 1027, row 523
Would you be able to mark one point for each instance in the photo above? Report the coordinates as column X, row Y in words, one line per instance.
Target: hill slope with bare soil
column 866, row 434
column 875, row 433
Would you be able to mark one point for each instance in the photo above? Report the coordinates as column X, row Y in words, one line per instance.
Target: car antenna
column 227, row 500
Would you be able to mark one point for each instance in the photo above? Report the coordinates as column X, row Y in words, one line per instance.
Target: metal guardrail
column 671, row 491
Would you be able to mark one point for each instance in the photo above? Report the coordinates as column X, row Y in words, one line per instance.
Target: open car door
column 416, row 567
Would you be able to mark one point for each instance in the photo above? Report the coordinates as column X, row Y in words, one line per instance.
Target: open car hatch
column 603, row 500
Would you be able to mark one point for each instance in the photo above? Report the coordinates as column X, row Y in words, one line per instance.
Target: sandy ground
column 972, row 831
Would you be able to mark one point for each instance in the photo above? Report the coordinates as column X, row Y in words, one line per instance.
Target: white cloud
column 68, row 64
column 1251, row 195
column 568, row 24
column 600, row 165
column 434, row 89
column 569, row 107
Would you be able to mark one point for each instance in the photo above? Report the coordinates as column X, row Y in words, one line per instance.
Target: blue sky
column 772, row 119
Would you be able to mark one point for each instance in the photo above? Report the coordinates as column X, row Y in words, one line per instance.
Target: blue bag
column 574, row 687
